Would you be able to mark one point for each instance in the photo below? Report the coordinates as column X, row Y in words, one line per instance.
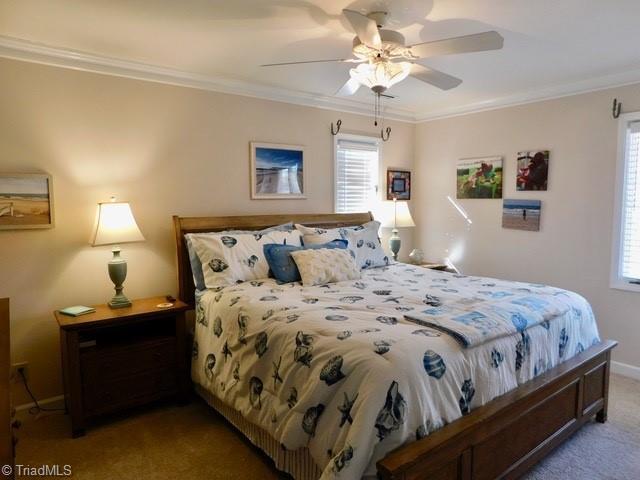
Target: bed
column 337, row 381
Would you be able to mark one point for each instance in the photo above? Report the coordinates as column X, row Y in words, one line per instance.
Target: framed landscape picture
column 25, row 201
column 277, row 171
column 521, row 214
column 479, row 178
column 533, row 170
column 398, row 185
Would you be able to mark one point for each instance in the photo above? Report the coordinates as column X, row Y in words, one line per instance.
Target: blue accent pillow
column 281, row 263
column 196, row 265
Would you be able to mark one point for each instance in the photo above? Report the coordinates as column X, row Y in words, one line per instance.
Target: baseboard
column 45, row 401
column 626, row 370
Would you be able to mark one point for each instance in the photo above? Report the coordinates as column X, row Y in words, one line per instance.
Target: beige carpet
column 193, row 442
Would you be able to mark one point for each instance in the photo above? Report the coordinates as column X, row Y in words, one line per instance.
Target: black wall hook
column 337, row 130
column 388, row 132
column 617, row 107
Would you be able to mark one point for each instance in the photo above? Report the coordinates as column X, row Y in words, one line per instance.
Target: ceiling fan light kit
column 385, row 60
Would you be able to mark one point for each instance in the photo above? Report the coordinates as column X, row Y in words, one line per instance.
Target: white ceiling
column 551, row 46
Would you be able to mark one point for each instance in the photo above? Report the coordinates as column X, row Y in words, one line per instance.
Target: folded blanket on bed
column 481, row 322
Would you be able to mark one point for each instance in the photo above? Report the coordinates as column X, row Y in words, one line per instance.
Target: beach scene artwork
column 521, row 214
column 25, row 201
column 479, row 178
column 277, row 171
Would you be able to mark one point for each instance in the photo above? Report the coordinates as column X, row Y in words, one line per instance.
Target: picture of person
column 533, row 170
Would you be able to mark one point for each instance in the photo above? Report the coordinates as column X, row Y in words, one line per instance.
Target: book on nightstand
column 77, row 310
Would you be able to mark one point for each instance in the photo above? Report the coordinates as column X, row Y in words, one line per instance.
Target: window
column 626, row 245
column 356, row 174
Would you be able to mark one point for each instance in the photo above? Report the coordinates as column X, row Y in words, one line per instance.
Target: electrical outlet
column 15, row 371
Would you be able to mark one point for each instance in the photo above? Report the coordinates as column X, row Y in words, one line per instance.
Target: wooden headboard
column 183, row 225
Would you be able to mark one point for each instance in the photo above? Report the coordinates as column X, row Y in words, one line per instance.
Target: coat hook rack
column 388, row 132
column 337, row 129
column 617, row 107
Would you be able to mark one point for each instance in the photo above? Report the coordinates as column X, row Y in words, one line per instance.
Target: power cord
column 36, row 408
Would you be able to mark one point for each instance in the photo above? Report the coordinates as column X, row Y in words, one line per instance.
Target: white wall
column 167, row 150
column 573, row 248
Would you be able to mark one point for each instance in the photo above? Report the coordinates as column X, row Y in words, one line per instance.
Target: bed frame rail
column 508, row 435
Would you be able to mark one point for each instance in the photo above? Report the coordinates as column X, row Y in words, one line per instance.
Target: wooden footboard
column 507, row 436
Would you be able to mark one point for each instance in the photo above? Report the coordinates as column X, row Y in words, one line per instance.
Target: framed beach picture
column 25, row 201
column 533, row 170
column 398, row 185
column 277, row 171
column 521, row 214
column 479, row 178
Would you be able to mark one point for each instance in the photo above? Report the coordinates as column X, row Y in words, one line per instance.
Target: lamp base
column 394, row 243
column 119, row 301
column 118, row 273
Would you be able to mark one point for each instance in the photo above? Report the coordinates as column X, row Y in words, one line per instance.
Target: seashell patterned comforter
column 338, row 368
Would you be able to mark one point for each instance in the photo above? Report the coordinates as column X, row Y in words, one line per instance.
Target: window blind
column 356, row 175
column 630, row 235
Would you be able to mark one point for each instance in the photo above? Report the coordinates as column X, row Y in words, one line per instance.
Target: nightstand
column 114, row 359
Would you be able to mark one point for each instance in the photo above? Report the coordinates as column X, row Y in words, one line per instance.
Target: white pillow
column 325, row 265
column 363, row 241
column 229, row 258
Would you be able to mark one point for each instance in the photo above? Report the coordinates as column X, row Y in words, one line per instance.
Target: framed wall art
column 26, row 201
column 277, row 171
column 398, row 184
column 479, row 178
column 533, row 170
column 521, row 214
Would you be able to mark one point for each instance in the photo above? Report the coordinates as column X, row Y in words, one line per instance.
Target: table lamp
column 398, row 216
column 116, row 226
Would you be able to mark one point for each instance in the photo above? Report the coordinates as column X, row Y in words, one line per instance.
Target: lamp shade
column 396, row 215
column 116, row 225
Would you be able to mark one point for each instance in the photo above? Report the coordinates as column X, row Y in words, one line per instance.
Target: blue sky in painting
column 520, row 204
column 278, row 158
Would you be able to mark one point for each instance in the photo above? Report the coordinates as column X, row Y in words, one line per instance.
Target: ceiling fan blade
column 365, row 28
column 348, row 88
column 434, row 77
column 341, row 60
column 478, row 42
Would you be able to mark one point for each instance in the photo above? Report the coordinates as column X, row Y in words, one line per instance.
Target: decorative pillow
column 230, row 258
column 315, row 235
column 363, row 241
column 325, row 265
column 366, row 246
column 196, row 265
column 283, row 267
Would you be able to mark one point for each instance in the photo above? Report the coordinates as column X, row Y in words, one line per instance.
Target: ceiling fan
column 384, row 60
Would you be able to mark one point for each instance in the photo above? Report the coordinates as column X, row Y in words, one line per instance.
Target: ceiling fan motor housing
column 392, row 45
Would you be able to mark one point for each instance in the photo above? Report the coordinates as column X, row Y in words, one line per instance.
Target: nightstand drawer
column 107, row 396
column 112, row 362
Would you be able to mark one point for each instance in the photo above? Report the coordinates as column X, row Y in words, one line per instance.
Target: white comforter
column 338, row 369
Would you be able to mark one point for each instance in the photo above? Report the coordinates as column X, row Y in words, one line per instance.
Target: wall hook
column 617, row 107
column 337, row 130
column 388, row 132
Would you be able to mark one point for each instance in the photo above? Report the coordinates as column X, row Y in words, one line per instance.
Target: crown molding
column 24, row 50
column 588, row 85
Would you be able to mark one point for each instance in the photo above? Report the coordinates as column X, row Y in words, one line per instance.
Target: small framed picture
column 26, row 201
column 398, row 185
column 479, row 177
column 521, row 214
column 533, row 170
column 277, row 171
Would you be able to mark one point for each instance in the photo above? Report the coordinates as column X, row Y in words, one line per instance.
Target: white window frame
column 617, row 280
column 358, row 138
